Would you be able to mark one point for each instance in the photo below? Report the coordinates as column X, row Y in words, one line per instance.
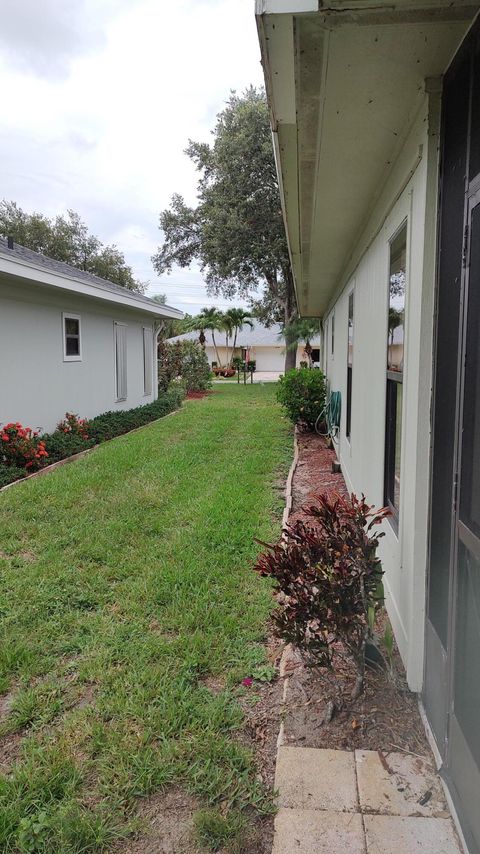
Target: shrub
column 112, row 424
column 8, row 474
column 61, row 445
column 329, row 580
column 301, row 392
column 184, row 359
column 21, row 447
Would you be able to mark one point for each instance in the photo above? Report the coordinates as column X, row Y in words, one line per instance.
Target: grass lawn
column 125, row 580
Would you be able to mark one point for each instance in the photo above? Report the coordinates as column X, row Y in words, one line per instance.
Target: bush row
column 74, row 435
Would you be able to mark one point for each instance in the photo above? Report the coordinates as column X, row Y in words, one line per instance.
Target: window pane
column 72, row 326
column 72, row 346
column 398, row 444
column 396, row 304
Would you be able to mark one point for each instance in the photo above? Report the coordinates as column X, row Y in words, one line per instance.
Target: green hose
column 330, row 415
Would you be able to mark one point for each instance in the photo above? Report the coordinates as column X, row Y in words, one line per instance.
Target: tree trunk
column 290, row 350
column 290, row 314
column 216, row 348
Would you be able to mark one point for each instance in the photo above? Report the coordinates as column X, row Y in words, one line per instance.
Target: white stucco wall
column 410, row 193
column 37, row 386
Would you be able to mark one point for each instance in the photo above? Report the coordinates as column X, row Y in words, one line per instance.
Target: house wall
column 409, row 193
column 37, row 386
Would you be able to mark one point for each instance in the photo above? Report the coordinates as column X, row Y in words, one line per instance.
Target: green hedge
column 301, row 392
column 101, row 428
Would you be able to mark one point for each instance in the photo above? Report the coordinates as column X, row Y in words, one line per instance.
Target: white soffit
column 344, row 84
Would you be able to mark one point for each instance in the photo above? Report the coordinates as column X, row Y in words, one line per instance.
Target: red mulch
column 313, row 474
column 197, row 395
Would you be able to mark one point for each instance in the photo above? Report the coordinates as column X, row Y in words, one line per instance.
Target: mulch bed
column 386, row 716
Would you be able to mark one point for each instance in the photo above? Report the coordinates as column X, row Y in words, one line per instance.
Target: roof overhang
column 12, row 267
column 345, row 79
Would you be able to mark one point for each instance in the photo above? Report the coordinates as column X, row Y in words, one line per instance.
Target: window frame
column 120, row 398
column 332, row 336
column 394, row 379
column 77, row 357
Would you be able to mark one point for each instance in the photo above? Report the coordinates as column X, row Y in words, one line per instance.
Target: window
column 395, row 353
column 120, row 333
column 72, row 345
column 333, row 334
column 147, row 360
column 349, row 365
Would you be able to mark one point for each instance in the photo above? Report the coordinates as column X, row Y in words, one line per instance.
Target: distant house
column 70, row 341
column 263, row 345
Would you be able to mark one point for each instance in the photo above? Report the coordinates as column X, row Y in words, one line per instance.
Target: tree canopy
column 66, row 238
column 236, row 231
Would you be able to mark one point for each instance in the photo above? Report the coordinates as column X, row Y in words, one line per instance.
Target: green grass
column 126, row 578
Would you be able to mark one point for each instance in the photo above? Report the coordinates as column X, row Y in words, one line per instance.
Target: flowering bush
column 328, row 579
column 74, row 425
column 185, row 359
column 21, row 447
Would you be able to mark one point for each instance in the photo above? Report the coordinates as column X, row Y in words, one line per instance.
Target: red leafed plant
column 329, row 579
column 74, row 425
column 21, row 447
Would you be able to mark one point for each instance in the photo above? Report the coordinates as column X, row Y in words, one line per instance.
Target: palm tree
column 237, row 318
column 302, row 329
column 211, row 319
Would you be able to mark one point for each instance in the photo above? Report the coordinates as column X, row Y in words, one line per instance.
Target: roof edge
column 22, row 268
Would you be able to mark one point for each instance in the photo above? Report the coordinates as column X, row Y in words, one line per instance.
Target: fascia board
column 24, row 270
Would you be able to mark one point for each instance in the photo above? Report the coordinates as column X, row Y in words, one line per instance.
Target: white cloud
column 99, row 99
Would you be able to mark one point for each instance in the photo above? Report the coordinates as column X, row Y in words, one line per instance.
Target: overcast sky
column 99, row 99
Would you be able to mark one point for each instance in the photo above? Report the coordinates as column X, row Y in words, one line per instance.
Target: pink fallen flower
column 248, row 681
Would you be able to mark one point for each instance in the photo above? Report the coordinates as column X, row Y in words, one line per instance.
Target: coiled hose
column 330, row 415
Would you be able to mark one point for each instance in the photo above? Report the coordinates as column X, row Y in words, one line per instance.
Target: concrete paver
column 308, row 778
column 318, row 832
column 401, row 784
column 388, row 834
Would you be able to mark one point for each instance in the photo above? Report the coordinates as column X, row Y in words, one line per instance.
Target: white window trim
column 68, row 315
column 118, row 399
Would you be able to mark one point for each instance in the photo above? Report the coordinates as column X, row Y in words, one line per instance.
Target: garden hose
column 330, row 415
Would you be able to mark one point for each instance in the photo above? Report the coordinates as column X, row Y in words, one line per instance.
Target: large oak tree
column 236, row 231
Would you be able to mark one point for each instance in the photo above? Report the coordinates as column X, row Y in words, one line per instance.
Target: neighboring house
column 70, row 341
column 264, row 345
column 375, row 110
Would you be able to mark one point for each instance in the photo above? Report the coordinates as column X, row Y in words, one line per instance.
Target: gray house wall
column 37, row 386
